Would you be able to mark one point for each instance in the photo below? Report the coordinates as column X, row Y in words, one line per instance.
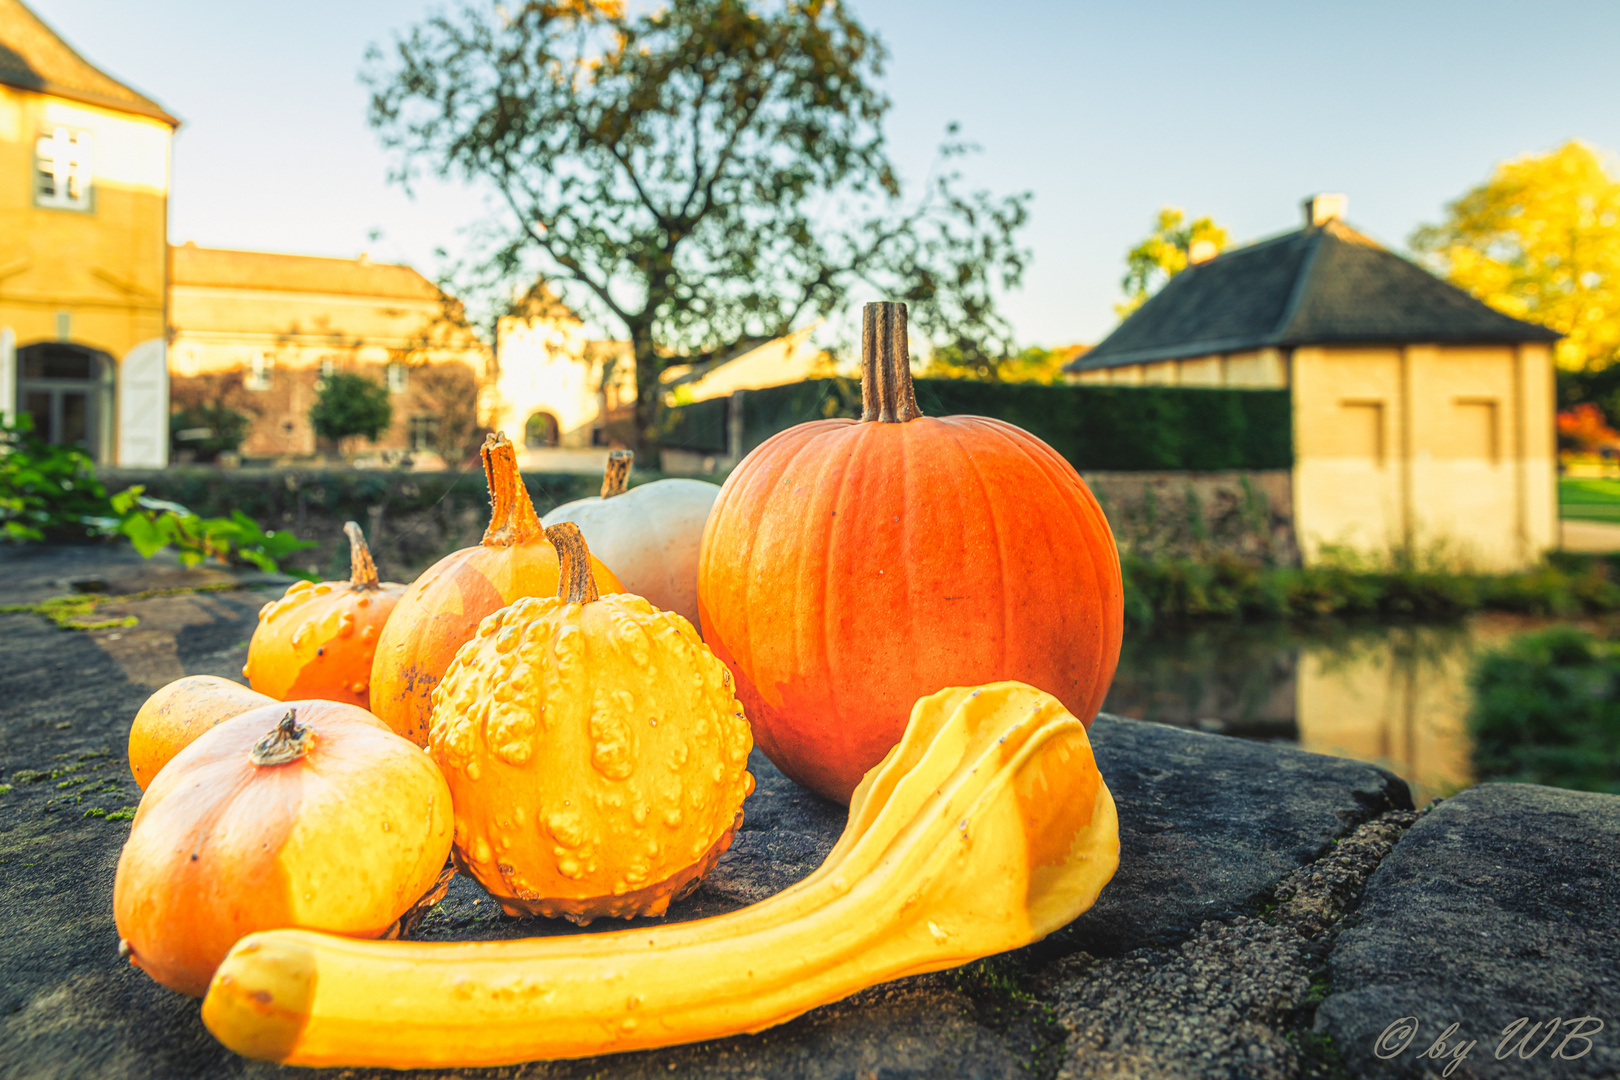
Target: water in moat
column 1394, row 695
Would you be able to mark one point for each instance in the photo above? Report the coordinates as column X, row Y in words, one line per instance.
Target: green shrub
column 48, row 492
column 1172, row 589
column 1547, row 711
column 1126, row 428
column 208, row 430
column 349, row 405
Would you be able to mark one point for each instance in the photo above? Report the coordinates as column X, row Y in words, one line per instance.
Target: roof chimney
column 1201, row 251
column 1321, row 209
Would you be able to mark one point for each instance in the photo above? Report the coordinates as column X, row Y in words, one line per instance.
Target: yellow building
column 84, row 187
column 256, row 332
column 1422, row 418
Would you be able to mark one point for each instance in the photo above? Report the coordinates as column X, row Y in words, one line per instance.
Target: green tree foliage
column 1540, row 240
column 704, row 174
column 349, row 405
column 1033, row 364
column 1164, row 253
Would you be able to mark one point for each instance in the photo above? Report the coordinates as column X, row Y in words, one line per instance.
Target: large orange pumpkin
column 319, row 639
column 852, row 567
column 299, row 814
column 442, row 608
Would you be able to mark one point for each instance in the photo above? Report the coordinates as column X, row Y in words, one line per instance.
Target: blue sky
column 1105, row 111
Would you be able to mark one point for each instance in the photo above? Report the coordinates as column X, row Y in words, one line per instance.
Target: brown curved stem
column 887, row 395
column 575, row 585
column 512, row 519
column 362, row 570
column 616, row 477
column 288, row 742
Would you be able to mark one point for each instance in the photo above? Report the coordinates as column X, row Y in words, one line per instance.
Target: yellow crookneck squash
column 596, row 754
column 985, row 829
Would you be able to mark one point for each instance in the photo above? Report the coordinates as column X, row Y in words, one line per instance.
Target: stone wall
column 1201, row 514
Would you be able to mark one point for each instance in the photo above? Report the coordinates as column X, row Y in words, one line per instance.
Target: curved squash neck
column 512, row 519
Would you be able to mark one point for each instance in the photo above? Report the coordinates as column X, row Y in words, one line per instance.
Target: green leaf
column 148, row 537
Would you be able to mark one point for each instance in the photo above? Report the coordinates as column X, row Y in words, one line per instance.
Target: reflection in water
column 1396, row 696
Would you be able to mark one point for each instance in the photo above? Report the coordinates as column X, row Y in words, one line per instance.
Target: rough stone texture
column 1499, row 904
column 1209, row 825
column 1230, row 1002
column 1205, row 956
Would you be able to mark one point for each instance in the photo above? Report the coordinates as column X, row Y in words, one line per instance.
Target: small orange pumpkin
column 596, row 754
column 318, row 640
column 442, row 608
column 173, row 717
column 300, row 814
column 850, row 568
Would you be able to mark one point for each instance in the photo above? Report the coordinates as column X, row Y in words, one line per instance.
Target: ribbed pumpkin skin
column 849, row 569
column 345, row 839
column 441, row 611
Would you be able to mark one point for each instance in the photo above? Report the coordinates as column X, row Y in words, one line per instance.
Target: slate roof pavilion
column 1325, row 284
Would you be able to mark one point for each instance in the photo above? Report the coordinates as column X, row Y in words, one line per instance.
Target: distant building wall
column 84, row 265
column 1261, row 369
column 1447, row 449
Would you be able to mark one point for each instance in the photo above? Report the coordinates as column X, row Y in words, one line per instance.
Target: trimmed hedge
column 1106, row 428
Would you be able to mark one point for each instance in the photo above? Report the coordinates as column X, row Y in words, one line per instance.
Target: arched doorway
column 540, row 429
column 67, row 390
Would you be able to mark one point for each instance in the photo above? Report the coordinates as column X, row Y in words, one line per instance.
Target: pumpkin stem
column 362, row 570
column 288, row 742
column 575, row 585
column 887, row 395
column 512, row 519
column 616, row 477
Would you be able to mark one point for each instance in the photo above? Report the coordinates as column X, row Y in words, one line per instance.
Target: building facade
column 84, row 188
column 1422, row 418
column 256, row 333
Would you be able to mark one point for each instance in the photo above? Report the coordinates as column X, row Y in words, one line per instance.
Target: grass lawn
column 1589, row 500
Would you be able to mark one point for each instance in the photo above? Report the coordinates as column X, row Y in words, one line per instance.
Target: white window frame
column 397, row 377
column 65, row 155
column 260, row 368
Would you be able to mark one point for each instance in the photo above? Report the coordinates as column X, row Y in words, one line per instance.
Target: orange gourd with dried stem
column 441, row 610
column 852, row 567
column 319, row 639
column 595, row 751
column 299, row 814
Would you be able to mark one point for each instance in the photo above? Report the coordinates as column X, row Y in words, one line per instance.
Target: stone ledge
column 1499, row 904
column 1243, row 864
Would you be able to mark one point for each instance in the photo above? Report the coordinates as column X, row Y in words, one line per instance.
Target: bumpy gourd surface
column 318, row 641
column 596, row 756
